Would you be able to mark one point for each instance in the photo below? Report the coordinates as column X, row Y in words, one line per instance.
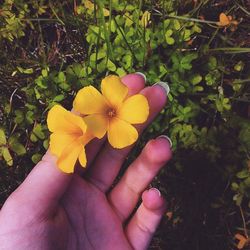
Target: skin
column 54, row 210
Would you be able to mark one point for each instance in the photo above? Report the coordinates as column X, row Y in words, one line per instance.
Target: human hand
column 54, row 210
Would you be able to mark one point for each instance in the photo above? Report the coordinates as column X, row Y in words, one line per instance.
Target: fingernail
column 141, row 74
column 167, row 138
column 164, row 85
column 157, row 190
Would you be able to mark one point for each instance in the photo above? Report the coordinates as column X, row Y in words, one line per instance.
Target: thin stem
column 190, row 19
column 244, row 222
column 54, row 12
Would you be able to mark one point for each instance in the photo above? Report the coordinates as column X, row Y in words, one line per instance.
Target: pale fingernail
column 157, row 190
column 164, row 85
column 141, row 74
column 167, row 138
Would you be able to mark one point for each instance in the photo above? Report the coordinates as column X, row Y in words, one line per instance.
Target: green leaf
column 121, row 72
column 185, row 65
column 37, row 93
column 61, row 77
column 111, row 66
column 247, row 182
column 3, row 140
column 76, row 69
column 113, row 26
column 170, row 40
column 166, row 23
column 186, row 35
column 36, row 158
column 33, row 138
column 101, row 54
column 30, row 117
column 101, row 66
column 186, row 61
column 177, row 25
column 239, row 66
column 59, row 98
column 190, row 57
column 210, row 79
column 38, row 131
column 187, row 110
column 181, row 89
column 64, row 86
column 16, row 146
column 196, row 29
column 46, row 144
column 219, row 105
column 198, row 89
column 45, row 72
column 238, row 199
column 41, row 82
column 212, row 63
column 25, row 71
column 128, row 22
column 7, row 108
column 19, row 117
column 243, row 174
column 7, row 156
column 169, row 33
column 195, row 79
column 235, row 186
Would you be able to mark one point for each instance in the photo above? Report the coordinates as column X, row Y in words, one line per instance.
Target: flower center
column 111, row 112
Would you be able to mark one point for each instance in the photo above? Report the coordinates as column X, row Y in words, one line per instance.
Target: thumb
column 45, row 184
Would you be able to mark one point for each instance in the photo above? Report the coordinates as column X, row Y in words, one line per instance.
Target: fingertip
column 135, row 82
column 153, row 200
column 158, row 150
column 156, row 95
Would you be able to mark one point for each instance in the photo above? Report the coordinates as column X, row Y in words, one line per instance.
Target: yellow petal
column 80, row 125
column 224, row 20
column 56, row 119
column 59, row 141
column 82, row 158
column 114, row 90
column 89, row 101
column 242, row 244
column 69, row 156
column 97, row 125
column 134, row 110
column 242, row 241
column 60, row 119
column 121, row 134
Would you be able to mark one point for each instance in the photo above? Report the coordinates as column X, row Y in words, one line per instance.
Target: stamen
column 111, row 112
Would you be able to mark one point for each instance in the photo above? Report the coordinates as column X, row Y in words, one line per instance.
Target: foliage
column 207, row 115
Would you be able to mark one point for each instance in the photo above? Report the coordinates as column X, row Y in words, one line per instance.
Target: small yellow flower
column 68, row 138
column 227, row 21
column 112, row 111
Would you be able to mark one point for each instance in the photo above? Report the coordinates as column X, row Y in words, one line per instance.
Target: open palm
column 53, row 210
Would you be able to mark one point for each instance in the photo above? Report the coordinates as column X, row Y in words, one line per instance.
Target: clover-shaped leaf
column 169, row 38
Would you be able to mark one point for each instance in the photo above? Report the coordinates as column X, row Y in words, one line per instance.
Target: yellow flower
column 112, row 111
column 68, row 138
column 227, row 21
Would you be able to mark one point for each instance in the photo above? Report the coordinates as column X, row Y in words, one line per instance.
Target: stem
column 244, row 222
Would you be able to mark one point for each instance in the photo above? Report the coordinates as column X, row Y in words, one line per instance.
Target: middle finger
column 109, row 161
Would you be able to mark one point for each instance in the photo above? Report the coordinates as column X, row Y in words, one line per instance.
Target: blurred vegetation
column 51, row 49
